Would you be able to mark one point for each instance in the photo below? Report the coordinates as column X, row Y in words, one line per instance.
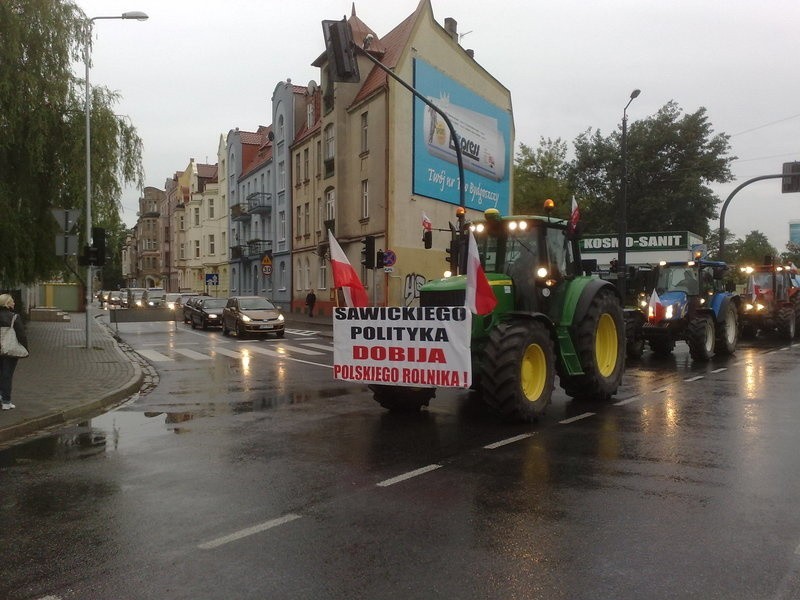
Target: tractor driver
column 689, row 282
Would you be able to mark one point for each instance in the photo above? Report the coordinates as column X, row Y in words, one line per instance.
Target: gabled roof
column 207, row 171
column 261, row 156
column 305, row 131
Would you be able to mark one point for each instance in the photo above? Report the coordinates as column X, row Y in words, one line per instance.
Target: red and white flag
column 655, row 310
column 480, row 298
column 345, row 277
column 427, row 224
column 574, row 216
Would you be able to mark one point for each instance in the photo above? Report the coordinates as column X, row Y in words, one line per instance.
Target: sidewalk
column 61, row 381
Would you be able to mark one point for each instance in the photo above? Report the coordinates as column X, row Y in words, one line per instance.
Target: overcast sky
column 197, row 69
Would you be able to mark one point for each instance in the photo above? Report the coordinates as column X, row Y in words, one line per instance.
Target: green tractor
column 550, row 319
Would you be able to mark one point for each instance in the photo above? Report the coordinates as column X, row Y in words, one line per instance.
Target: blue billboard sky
column 485, row 133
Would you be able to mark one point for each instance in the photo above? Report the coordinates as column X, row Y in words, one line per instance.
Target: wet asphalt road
column 247, row 472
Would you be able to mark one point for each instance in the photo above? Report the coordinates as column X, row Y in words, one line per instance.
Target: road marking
column 661, row 390
column 192, row 354
column 628, row 401
column 303, row 332
column 281, row 353
column 690, row 379
column 720, row 370
column 301, row 350
column 248, row 532
column 226, row 352
column 409, row 475
column 155, row 356
column 328, row 348
column 578, row 418
column 506, row 441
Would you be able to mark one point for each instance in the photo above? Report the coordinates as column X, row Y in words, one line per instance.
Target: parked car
column 188, row 307
column 153, row 297
column 252, row 314
column 207, row 312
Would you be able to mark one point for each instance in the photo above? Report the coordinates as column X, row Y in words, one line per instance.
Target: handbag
column 9, row 344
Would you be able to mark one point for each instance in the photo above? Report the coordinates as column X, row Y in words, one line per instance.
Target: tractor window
column 758, row 283
column 560, row 251
column 679, row 278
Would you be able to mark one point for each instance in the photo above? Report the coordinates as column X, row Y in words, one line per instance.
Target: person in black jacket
column 9, row 363
column 311, row 300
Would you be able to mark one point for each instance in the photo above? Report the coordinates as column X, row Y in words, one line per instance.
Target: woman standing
column 9, row 363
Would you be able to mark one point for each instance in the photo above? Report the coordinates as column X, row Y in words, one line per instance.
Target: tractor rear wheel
column 700, row 337
column 401, row 399
column 600, row 344
column 728, row 331
column 787, row 323
column 518, row 370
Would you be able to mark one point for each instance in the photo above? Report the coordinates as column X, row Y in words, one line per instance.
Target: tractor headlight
column 748, row 307
column 759, row 306
column 669, row 312
column 542, row 272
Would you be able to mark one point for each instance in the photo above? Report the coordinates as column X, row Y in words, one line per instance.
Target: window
column 305, row 164
column 182, row 252
column 211, row 246
column 364, row 120
column 297, row 287
column 281, row 175
column 281, row 131
column 210, row 208
column 307, row 217
column 322, row 281
column 319, row 159
column 330, row 204
column 282, row 280
column 197, row 216
column 197, row 248
column 310, row 114
column 299, row 226
column 365, row 199
column 319, row 214
column 297, row 178
column 181, row 223
column 223, row 242
column 329, row 142
column 282, row 225
column 307, row 278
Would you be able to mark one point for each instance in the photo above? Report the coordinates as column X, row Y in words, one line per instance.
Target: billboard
column 485, row 134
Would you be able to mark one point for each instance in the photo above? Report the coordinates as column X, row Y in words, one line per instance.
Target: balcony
column 259, row 203
column 239, row 212
column 257, row 248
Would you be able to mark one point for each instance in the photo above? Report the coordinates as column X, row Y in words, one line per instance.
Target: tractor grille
column 442, row 298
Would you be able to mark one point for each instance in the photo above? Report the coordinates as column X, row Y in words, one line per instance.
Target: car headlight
column 280, row 317
column 171, row 305
column 246, row 319
column 212, row 316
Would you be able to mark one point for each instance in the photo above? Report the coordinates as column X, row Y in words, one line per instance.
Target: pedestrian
column 311, row 300
column 8, row 318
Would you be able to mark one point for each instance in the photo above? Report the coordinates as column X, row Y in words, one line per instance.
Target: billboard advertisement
column 484, row 131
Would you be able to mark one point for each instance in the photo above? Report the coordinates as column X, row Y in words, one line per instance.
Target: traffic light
column 341, row 51
column 379, row 260
column 427, row 238
column 99, row 243
column 368, row 252
column 452, row 255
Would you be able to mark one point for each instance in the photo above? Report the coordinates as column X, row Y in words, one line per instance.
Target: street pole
column 623, row 205
column 138, row 16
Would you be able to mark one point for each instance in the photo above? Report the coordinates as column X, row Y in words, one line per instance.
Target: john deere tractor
column 550, row 320
column 771, row 300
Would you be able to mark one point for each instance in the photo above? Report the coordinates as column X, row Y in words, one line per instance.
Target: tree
column 672, row 157
column 42, row 146
column 750, row 250
column 539, row 174
column 792, row 254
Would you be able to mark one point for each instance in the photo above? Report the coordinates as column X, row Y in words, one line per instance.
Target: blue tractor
column 693, row 302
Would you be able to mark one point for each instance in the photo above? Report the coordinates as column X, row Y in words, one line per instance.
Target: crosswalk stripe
column 266, row 351
column 192, row 354
column 328, row 348
column 299, row 350
column 225, row 352
column 155, row 356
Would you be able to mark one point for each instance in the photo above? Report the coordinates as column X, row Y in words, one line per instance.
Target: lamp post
column 623, row 205
column 137, row 16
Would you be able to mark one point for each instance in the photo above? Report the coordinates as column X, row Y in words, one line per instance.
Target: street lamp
column 136, row 15
column 623, row 205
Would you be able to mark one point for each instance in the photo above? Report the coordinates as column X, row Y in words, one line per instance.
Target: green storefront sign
column 641, row 242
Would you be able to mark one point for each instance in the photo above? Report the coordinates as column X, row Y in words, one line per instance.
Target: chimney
column 451, row 27
column 471, row 53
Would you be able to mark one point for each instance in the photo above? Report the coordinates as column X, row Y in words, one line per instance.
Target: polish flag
column 480, row 298
column 427, row 224
column 655, row 310
column 345, row 277
column 574, row 217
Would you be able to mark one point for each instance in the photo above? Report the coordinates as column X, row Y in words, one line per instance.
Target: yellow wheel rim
column 605, row 345
column 533, row 372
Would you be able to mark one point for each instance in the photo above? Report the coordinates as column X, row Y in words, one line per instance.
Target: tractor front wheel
column 518, row 370
column 787, row 323
column 700, row 338
column 600, row 344
column 728, row 332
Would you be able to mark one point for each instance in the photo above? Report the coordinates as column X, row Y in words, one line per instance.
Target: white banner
column 427, row 346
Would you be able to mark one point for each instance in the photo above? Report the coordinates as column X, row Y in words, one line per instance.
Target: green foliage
column 792, row 254
column 539, row 174
column 672, row 157
column 42, row 148
column 750, row 250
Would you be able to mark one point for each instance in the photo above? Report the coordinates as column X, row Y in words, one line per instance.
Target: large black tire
column 401, row 399
column 600, row 344
column 518, row 371
column 634, row 342
column 728, row 331
column 662, row 346
column 787, row 324
column 700, row 337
